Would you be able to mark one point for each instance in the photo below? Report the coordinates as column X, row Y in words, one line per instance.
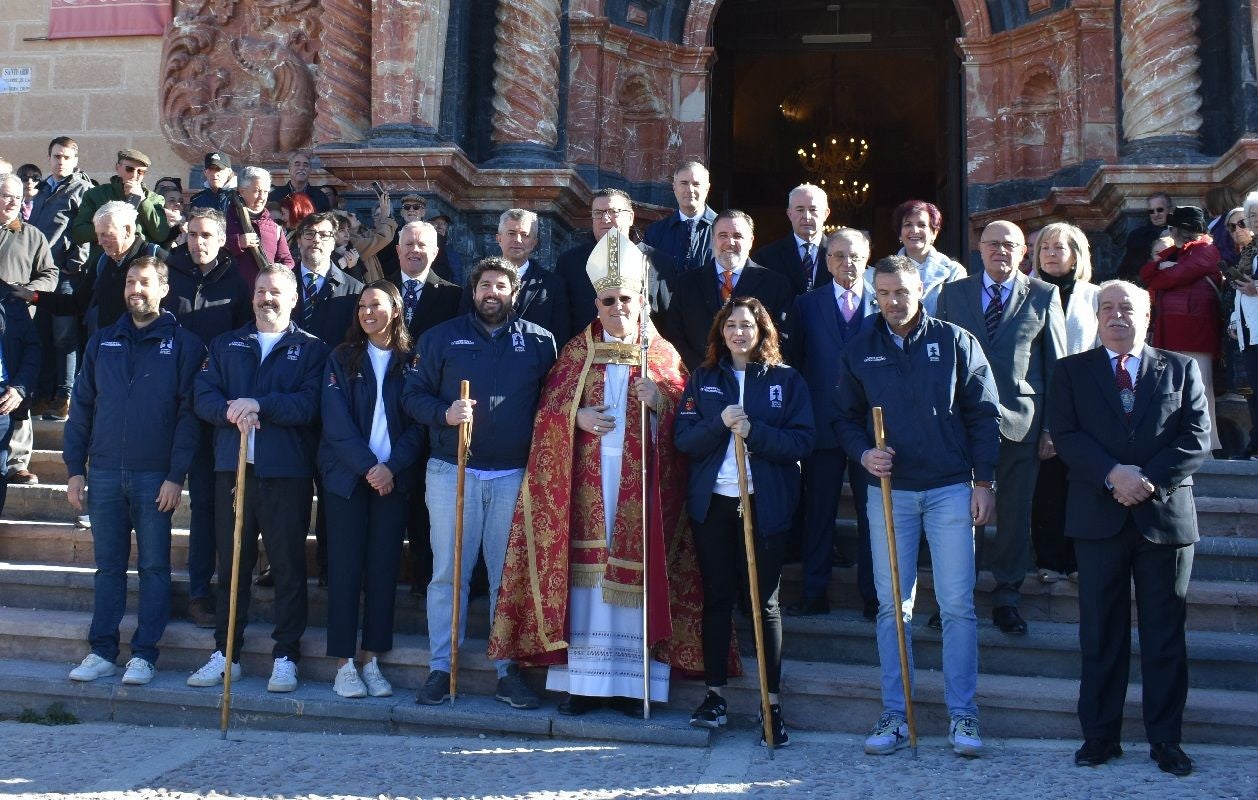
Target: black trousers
column 722, row 559
column 364, row 550
column 823, row 482
column 279, row 509
column 1107, row 568
column 1053, row 549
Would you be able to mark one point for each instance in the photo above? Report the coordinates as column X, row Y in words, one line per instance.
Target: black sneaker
column 513, row 691
column 711, row 713
column 780, row 737
column 435, row 690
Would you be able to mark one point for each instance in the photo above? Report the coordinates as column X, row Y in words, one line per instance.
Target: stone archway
column 976, row 22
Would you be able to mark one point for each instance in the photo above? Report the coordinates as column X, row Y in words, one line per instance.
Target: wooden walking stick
column 237, row 532
column 880, row 440
column 465, row 440
column 757, row 622
column 644, row 431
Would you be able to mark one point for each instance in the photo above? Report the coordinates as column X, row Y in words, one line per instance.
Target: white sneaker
column 377, row 686
column 964, row 736
column 93, row 667
column 283, row 676
column 139, row 672
column 347, row 683
column 890, row 734
column 212, row 673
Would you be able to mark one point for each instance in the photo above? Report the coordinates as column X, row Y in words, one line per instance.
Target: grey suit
column 1023, row 350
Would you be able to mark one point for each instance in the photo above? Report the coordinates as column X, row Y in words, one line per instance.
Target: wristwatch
column 988, row 485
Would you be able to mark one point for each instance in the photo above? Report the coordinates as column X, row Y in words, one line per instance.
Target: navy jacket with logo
column 349, row 407
column 286, row 387
column 938, row 398
column 132, row 404
column 505, row 373
column 776, row 400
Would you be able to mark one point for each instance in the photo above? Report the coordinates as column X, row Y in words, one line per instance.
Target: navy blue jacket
column 671, row 239
column 208, row 304
column 782, row 432
column 505, row 372
column 21, row 353
column 335, row 306
column 349, row 406
column 286, row 387
column 818, row 336
column 938, row 398
column 208, row 198
column 132, row 402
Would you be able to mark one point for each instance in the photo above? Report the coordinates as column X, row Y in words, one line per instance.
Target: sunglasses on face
column 129, row 169
column 1157, row 211
column 28, row 178
column 608, row 302
column 411, row 207
column 1240, row 223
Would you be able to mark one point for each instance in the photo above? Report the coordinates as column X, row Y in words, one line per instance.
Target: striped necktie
column 312, row 290
column 994, row 310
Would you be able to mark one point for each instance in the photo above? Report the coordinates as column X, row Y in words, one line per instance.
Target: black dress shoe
column 839, row 559
column 871, row 610
column 1009, row 620
column 629, row 706
column 935, row 622
column 1171, row 759
column 265, row 579
column 809, row 607
column 574, row 705
column 1096, row 752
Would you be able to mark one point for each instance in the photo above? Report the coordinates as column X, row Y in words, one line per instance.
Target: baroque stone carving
column 239, row 76
column 343, row 110
column 526, row 73
column 1160, row 62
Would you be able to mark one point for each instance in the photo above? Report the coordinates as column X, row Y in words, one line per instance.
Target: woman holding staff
column 367, row 457
column 742, row 389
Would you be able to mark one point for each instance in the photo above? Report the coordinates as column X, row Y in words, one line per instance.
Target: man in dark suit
column 543, row 297
column 701, row 293
column 427, row 300
column 683, row 241
column 610, row 208
column 801, row 257
column 1020, row 325
column 1131, row 423
column 824, row 321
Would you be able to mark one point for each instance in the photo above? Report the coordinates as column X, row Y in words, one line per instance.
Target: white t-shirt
column 727, row 475
column 267, row 342
column 379, row 439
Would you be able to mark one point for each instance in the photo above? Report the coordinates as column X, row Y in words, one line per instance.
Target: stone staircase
column 1028, row 685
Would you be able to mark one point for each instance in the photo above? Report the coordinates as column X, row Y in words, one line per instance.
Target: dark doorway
column 899, row 88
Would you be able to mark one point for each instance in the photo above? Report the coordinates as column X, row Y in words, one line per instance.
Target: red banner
column 79, row 19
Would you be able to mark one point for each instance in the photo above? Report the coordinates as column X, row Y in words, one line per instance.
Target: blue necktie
column 994, row 310
column 410, row 299
column 307, row 311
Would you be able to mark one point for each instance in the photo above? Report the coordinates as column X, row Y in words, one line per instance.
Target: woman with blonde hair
column 1061, row 257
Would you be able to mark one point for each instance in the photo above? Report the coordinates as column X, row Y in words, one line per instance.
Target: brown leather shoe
column 22, row 477
column 58, row 410
column 201, row 612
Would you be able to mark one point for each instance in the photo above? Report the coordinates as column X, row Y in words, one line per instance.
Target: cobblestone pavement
column 115, row 761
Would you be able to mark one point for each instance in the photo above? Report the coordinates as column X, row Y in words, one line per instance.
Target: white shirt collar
column 685, row 218
column 801, row 242
column 1134, row 353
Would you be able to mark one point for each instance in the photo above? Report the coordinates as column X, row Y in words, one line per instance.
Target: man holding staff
column 942, row 417
column 504, row 361
column 578, row 526
column 263, row 379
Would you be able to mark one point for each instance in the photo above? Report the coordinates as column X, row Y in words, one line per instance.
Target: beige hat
column 616, row 263
column 134, row 155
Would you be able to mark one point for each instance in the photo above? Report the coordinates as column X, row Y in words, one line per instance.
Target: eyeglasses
column 610, row 213
column 412, row 207
column 1231, row 226
column 1008, row 247
column 311, row 236
column 608, row 302
column 1157, row 211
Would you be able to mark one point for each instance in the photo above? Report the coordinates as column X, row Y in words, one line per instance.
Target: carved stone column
column 1161, row 96
column 343, row 108
column 409, row 51
column 526, row 83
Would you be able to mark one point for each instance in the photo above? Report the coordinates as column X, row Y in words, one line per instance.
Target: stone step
column 48, row 466
column 48, row 434
column 37, row 649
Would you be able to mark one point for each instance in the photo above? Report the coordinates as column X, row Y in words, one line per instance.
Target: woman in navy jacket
column 367, row 457
column 742, row 387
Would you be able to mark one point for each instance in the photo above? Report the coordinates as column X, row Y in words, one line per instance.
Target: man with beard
column 131, row 417
column 264, row 379
column 577, row 529
column 504, row 361
column 209, row 298
column 267, row 234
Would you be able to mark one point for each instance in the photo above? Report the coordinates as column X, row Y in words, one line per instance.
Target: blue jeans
column 944, row 515
column 120, row 501
column 487, row 509
column 6, row 430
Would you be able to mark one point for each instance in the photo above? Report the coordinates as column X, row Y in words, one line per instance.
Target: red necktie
column 1126, row 391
